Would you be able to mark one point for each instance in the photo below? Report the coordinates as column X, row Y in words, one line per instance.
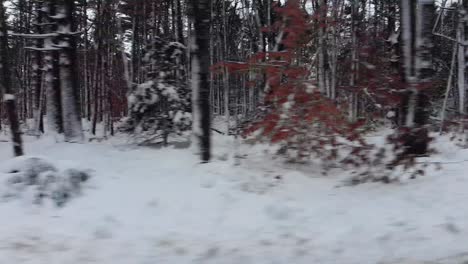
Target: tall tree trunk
column 9, row 94
column 69, row 81
column 353, row 101
column 322, row 51
column 226, row 87
column 135, row 43
column 417, row 24
column 86, row 85
column 425, row 44
column 408, row 23
column 180, row 24
column 36, row 76
column 461, row 60
column 52, row 76
column 200, row 52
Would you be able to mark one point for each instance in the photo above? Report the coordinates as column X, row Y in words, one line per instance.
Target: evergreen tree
column 160, row 106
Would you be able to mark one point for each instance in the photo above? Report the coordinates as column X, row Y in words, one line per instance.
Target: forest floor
column 148, row 205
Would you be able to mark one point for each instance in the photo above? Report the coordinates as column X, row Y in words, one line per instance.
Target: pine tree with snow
column 160, row 106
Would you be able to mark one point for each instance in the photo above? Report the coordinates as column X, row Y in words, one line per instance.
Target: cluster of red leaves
column 295, row 114
column 299, row 118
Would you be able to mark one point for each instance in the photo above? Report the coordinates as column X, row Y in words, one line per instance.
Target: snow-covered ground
column 146, row 206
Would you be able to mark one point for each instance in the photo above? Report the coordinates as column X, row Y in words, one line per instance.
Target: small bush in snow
column 40, row 179
column 160, row 106
column 395, row 160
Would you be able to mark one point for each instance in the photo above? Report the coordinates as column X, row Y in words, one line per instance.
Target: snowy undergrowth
column 162, row 206
column 37, row 180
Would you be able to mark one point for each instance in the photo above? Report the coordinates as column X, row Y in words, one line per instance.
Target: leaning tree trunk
column 6, row 84
column 71, row 111
column 200, row 53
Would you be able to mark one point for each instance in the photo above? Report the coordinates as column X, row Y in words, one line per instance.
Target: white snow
column 9, row 97
column 162, row 206
column 391, row 114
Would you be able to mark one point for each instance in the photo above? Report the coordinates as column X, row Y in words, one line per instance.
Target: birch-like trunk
column 417, row 24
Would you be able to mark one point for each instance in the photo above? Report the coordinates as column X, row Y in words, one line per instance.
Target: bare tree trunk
column 135, row 44
column 9, row 94
column 261, row 37
column 180, row 24
column 461, row 61
column 465, row 38
column 52, row 78
column 426, row 14
column 449, row 86
column 200, row 76
column 334, row 49
column 408, row 15
column 225, row 73
column 321, row 46
column 417, row 24
column 73, row 130
column 353, row 101
column 123, row 55
column 212, row 75
column 36, row 76
column 86, row 85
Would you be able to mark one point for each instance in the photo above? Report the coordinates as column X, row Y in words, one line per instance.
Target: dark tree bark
column 180, row 27
column 69, row 80
column 52, row 76
column 36, row 72
column 9, row 94
column 86, row 85
column 200, row 52
column 424, row 59
column 136, row 43
column 417, row 23
column 464, row 36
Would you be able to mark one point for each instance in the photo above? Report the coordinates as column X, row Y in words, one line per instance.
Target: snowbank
column 162, row 206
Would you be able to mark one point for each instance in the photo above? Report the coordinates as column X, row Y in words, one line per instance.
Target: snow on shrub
column 39, row 179
column 160, row 106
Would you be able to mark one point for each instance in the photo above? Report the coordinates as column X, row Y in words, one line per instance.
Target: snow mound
column 37, row 179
